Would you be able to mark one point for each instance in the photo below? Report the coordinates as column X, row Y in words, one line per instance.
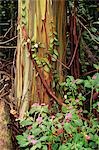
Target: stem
column 8, row 40
column 91, row 100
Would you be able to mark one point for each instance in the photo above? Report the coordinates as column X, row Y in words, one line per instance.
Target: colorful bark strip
column 36, row 19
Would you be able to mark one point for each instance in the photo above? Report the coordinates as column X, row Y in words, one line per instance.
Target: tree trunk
column 37, row 19
column 5, row 133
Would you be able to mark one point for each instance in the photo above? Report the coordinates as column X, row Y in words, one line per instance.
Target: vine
column 32, row 48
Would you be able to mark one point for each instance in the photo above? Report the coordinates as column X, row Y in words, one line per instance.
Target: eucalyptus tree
column 40, row 50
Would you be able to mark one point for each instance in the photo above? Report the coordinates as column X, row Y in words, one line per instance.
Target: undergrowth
column 71, row 127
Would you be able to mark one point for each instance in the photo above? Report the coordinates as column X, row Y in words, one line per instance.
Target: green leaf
column 42, row 45
column 55, row 33
column 24, row 144
column 78, row 122
column 79, row 81
column 62, row 84
column 55, row 146
column 33, row 148
column 51, row 40
column 50, row 34
column 20, row 138
column 44, row 147
column 38, row 145
column 96, row 66
column 35, row 124
column 53, row 84
column 56, row 43
column 43, row 138
column 87, row 84
column 55, row 52
column 36, row 132
column 54, row 58
column 97, row 22
column 35, row 109
column 23, row 13
column 67, row 128
column 69, row 93
column 46, row 68
column 55, row 39
column 38, row 62
column 33, row 49
column 85, row 111
column 51, row 47
column 93, row 29
column 43, row 128
column 64, row 110
column 45, row 109
column 22, row 141
column 70, row 77
column 45, row 60
column 62, row 147
column 23, row 6
column 24, row 21
column 95, row 105
column 75, row 116
column 26, row 122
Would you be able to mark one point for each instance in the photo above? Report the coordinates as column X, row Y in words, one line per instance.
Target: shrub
column 45, row 129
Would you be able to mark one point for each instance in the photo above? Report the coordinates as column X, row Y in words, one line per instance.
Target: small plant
column 60, row 131
column 45, row 129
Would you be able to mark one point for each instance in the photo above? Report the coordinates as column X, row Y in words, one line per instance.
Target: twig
column 8, row 40
column 75, row 51
column 79, row 16
column 10, row 47
column 91, row 100
column 7, row 32
column 3, row 88
column 1, row 59
column 4, row 94
column 1, row 37
column 9, row 63
column 58, row 61
column 92, row 36
column 87, row 73
column 13, row 70
column 5, row 101
column 3, row 72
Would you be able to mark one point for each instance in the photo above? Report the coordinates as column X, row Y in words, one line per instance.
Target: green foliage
column 44, row 62
column 53, row 45
column 88, row 23
column 24, row 16
column 92, row 83
column 96, row 66
column 41, row 61
column 65, row 128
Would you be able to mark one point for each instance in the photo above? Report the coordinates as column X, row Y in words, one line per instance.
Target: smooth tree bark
column 38, row 23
